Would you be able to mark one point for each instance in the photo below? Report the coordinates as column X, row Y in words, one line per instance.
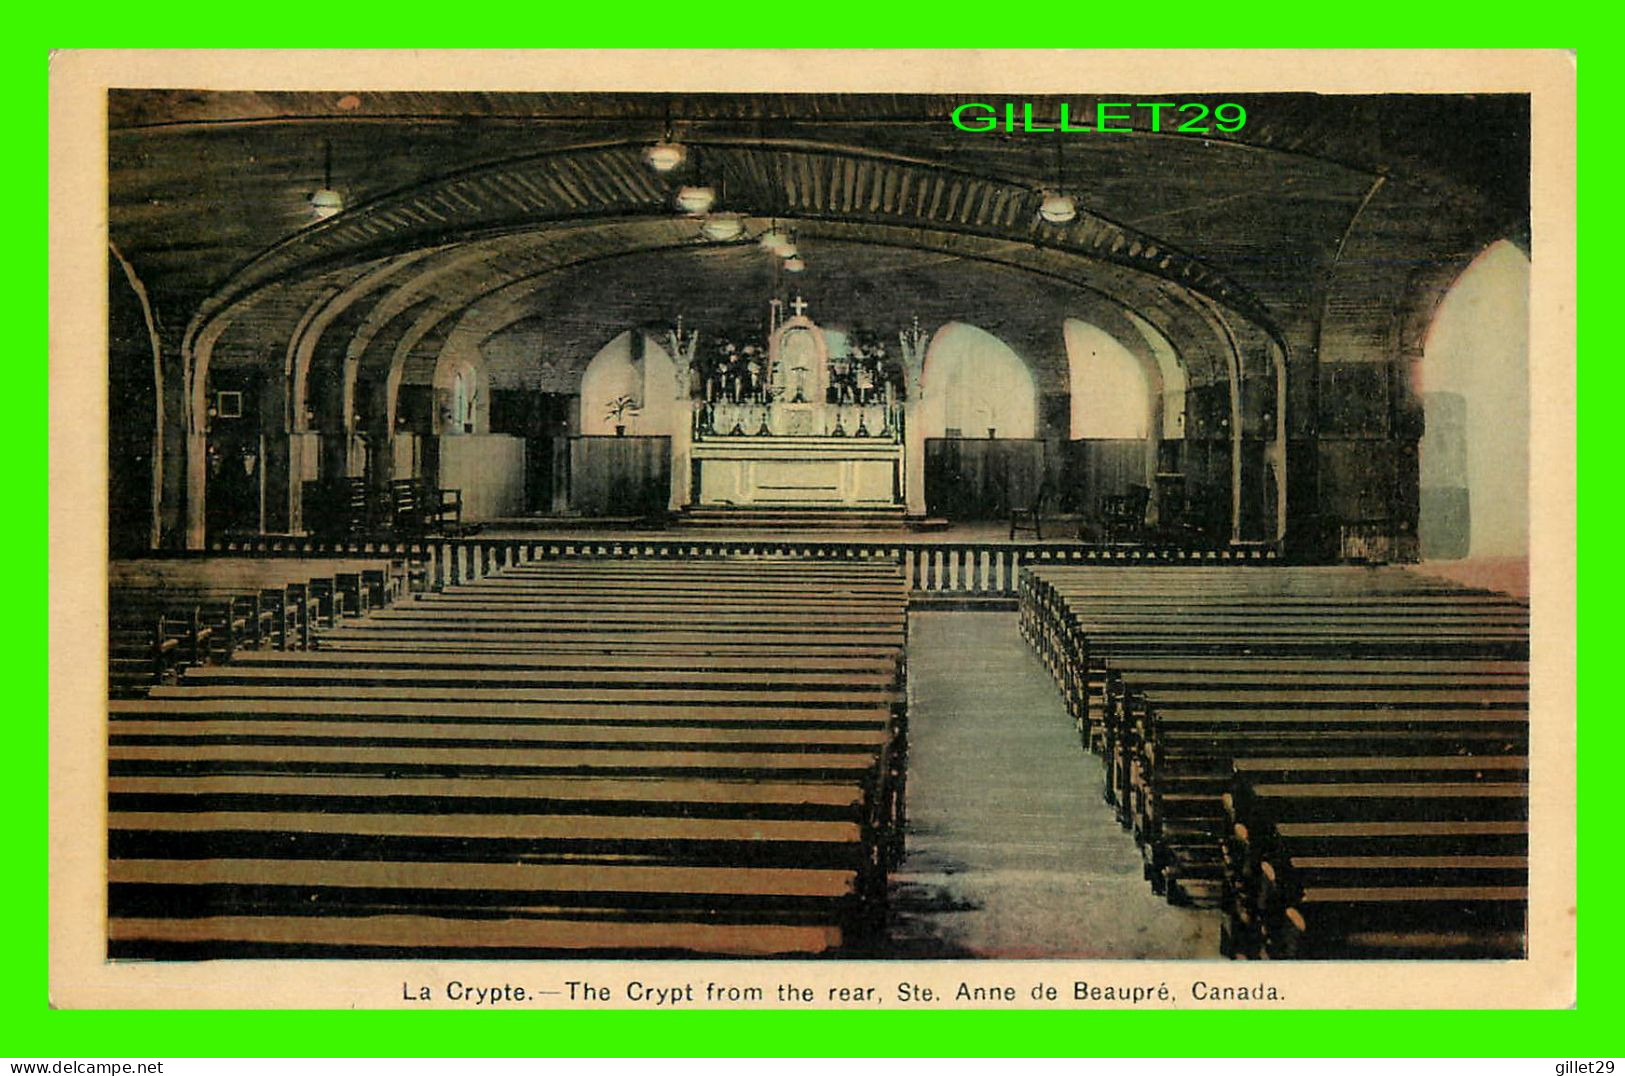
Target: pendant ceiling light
column 665, row 154
column 723, row 227
column 789, row 252
column 326, row 202
column 695, row 199
column 1058, row 207
column 774, row 240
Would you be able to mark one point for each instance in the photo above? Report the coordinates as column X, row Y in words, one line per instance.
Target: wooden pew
column 1124, row 729
column 358, row 583
column 418, row 506
column 1440, row 848
column 154, row 637
column 167, row 614
column 149, row 644
column 675, row 769
column 1184, row 678
column 1239, row 616
column 1234, row 718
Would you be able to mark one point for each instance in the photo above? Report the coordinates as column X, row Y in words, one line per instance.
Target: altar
column 797, row 426
column 846, row 471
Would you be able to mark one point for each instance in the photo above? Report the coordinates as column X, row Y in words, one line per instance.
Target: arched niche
column 1474, row 374
column 462, row 393
column 1175, row 381
column 972, row 383
column 1112, row 398
column 798, row 356
column 632, row 367
column 1116, row 420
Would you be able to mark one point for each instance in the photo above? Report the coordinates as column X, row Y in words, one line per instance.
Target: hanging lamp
column 1058, row 207
column 326, row 202
column 665, row 155
column 695, row 199
column 773, row 240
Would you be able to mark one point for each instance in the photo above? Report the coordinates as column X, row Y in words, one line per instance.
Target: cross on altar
column 799, row 306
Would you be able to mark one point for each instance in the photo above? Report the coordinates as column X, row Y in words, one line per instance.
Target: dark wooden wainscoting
column 620, row 476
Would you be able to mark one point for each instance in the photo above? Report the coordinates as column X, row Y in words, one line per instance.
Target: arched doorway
column 1111, row 396
column 134, row 435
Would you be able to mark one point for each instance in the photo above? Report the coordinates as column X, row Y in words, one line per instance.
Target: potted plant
column 618, row 407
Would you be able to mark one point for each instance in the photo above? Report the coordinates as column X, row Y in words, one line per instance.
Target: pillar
column 682, row 441
column 913, row 456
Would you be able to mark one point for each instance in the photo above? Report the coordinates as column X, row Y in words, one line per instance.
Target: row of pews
column 166, row 615
column 1336, row 757
column 567, row 758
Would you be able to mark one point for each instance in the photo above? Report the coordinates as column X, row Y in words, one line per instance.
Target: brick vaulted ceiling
column 208, row 194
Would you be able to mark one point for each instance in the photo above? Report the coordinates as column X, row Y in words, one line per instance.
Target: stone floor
column 1011, row 851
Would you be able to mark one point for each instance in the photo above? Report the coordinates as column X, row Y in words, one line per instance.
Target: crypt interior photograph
column 582, row 525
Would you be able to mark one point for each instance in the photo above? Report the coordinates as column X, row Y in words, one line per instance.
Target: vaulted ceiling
column 494, row 199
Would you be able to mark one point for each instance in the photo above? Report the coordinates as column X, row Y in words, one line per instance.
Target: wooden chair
column 1123, row 514
column 419, row 506
column 445, row 509
column 1031, row 518
column 406, row 505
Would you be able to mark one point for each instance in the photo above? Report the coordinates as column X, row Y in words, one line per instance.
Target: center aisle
column 1011, row 852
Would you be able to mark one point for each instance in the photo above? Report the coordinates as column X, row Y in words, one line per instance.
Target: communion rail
column 932, row 568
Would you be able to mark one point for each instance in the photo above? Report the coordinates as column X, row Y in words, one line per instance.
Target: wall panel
column 489, row 469
column 620, row 476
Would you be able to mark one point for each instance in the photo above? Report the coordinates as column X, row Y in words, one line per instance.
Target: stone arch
column 1251, row 421
column 320, row 316
column 151, row 384
column 196, row 350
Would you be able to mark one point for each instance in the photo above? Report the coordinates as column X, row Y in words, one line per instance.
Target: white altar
column 852, row 471
column 796, row 441
column 790, row 425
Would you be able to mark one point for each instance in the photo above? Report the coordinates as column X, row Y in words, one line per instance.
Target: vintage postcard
column 829, row 530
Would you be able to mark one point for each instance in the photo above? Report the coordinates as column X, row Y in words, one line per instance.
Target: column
column 913, row 456
column 682, row 440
